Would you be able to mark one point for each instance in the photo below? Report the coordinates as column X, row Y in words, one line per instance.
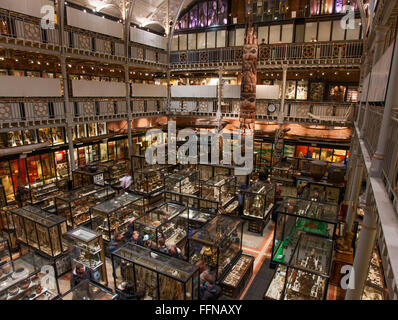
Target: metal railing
column 291, row 51
column 29, row 29
column 44, row 110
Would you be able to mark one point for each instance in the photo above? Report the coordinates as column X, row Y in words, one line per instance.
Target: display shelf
column 190, row 201
column 258, row 200
column 86, row 247
column 218, row 242
column 306, row 275
column 89, row 290
column 23, row 279
column 113, row 170
column 185, row 181
column 219, row 188
column 148, row 181
column 41, row 195
column 75, row 205
column 114, row 215
column 295, row 216
column 40, row 230
column 86, row 176
column 165, row 222
column 161, row 277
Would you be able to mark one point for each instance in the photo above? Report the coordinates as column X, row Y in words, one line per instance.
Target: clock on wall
column 271, row 108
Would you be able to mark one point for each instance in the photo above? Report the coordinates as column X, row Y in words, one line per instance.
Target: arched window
column 203, row 14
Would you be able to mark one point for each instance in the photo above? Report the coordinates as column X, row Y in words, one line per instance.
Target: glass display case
column 29, row 277
column 275, row 289
column 163, row 222
column 75, row 205
column 114, row 215
column 86, row 176
column 185, row 181
column 297, row 216
column 148, row 181
column 5, row 250
column 42, row 195
column 236, row 280
column 7, row 226
column 258, row 200
column 191, row 201
column 87, row 248
column 114, row 170
column 40, row 230
column 219, row 188
column 328, row 192
column 161, row 277
column 218, row 242
column 89, row 290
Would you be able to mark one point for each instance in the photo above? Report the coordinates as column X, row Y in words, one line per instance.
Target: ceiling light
column 16, row 60
column 2, row 58
column 85, row 11
column 348, row 73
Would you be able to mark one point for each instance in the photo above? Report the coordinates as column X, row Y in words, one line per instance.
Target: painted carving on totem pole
column 249, row 79
column 279, row 145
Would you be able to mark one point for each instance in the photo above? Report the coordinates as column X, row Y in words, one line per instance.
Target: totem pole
column 247, row 115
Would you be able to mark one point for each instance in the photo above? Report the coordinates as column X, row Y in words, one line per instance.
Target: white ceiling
column 144, row 12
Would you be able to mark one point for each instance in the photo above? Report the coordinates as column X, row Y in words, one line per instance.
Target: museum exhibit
column 199, row 150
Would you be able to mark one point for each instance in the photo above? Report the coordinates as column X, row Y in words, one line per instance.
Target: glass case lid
column 82, row 192
column 309, row 209
column 83, row 234
column 39, row 216
column 182, row 174
column 87, row 290
column 196, row 215
column 20, row 268
column 117, row 202
column 313, row 254
column 169, row 210
column 217, row 229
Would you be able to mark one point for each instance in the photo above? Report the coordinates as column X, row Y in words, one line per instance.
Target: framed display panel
column 297, row 216
column 28, row 277
column 163, row 222
column 218, row 242
column 191, row 201
column 40, row 230
column 306, row 276
column 114, row 170
column 82, row 178
column 219, row 188
column 161, row 277
column 87, row 248
column 89, row 290
column 5, row 250
column 185, row 181
column 75, row 205
column 113, row 215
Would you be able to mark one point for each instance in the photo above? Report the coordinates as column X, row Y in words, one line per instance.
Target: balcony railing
column 294, row 111
column 373, row 128
column 280, row 52
column 28, row 31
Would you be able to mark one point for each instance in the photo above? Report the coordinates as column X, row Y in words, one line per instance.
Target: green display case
column 297, row 216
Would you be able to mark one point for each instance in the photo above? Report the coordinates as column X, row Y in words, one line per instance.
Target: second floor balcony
column 326, row 53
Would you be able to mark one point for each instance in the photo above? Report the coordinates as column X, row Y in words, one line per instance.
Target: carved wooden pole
column 247, row 115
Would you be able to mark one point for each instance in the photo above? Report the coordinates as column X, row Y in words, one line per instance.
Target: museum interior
column 189, row 149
